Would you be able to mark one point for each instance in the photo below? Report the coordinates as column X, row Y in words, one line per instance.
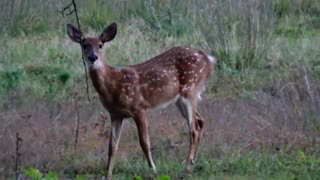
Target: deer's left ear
column 109, row 33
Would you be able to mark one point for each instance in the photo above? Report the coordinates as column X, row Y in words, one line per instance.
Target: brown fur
column 178, row 75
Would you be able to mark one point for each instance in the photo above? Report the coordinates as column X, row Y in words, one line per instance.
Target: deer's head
column 92, row 46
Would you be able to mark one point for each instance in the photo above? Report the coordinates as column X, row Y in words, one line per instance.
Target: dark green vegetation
column 266, row 85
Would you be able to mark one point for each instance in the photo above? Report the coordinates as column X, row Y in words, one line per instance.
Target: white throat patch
column 96, row 65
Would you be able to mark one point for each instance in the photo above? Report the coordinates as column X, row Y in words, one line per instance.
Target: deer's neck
column 101, row 78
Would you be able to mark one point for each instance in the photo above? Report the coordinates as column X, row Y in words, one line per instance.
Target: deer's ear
column 74, row 34
column 108, row 33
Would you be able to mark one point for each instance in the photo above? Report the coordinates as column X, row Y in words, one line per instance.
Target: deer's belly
column 164, row 104
column 159, row 95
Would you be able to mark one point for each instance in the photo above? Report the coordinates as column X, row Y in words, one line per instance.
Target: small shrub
column 51, row 176
column 164, row 177
column 33, row 174
column 10, row 78
column 137, row 178
column 64, row 76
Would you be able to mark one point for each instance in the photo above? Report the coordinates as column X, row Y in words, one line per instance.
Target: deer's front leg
column 115, row 134
column 142, row 125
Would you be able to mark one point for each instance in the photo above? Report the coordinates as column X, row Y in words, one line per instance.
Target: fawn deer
column 176, row 76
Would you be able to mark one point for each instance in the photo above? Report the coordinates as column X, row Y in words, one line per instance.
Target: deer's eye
column 100, row 46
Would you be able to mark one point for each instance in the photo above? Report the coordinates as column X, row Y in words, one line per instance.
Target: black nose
column 92, row 58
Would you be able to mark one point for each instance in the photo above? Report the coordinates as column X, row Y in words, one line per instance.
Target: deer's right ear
column 109, row 33
column 74, row 33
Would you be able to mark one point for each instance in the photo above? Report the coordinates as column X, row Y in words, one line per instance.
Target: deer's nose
column 92, row 58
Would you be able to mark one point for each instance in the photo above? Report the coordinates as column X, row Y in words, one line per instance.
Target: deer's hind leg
column 187, row 107
column 199, row 124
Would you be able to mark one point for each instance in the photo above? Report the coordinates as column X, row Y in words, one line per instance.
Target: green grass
column 234, row 165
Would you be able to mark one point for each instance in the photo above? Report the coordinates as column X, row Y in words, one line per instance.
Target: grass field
column 262, row 103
